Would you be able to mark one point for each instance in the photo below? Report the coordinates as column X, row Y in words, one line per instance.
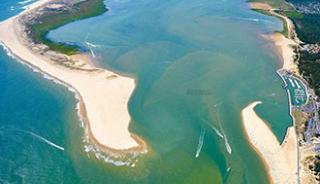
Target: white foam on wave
column 25, row 7
column 36, row 70
column 124, row 161
column 128, row 161
column 5, row 48
column 200, row 142
column 25, row 2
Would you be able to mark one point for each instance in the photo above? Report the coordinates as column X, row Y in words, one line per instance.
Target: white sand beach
column 280, row 159
column 104, row 94
column 284, row 45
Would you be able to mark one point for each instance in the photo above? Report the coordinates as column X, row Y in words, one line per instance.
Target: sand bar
column 104, row 94
column 280, row 160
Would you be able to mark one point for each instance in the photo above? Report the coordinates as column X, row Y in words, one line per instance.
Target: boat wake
column 39, row 138
column 229, row 169
column 130, row 160
column 91, row 45
column 45, row 140
column 221, row 134
column 200, row 143
column 226, row 143
column 217, row 131
column 226, row 176
column 92, row 53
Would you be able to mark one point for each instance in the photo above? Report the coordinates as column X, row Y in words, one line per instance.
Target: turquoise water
column 197, row 64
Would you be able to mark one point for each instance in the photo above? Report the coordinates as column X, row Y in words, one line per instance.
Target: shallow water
column 197, row 64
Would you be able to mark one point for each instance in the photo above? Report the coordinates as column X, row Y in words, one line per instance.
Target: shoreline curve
column 277, row 158
column 103, row 95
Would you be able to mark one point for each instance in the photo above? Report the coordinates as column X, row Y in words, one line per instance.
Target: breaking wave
column 130, row 160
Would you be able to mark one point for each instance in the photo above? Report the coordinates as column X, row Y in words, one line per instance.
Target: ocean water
column 196, row 63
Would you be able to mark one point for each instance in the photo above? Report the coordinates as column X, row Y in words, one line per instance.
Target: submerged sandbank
column 104, row 95
column 280, row 160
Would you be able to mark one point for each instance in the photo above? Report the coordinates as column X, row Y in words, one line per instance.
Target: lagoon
column 197, row 64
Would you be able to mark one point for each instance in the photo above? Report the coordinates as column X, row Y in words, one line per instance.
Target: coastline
column 103, row 95
column 274, row 154
column 278, row 158
column 283, row 44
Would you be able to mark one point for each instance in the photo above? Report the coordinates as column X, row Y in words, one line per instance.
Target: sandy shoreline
column 279, row 159
column 285, row 48
column 284, row 45
column 104, row 94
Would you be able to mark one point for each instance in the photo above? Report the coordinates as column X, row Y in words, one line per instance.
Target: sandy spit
column 280, row 159
column 104, row 94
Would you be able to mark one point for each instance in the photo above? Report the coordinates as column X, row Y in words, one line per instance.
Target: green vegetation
column 309, row 66
column 282, row 7
column 308, row 28
column 307, row 25
column 54, row 19
column 316, row 167
column 285, row 30
column 293, row 14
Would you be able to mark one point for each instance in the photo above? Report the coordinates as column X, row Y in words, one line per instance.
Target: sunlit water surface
column 197, row 63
